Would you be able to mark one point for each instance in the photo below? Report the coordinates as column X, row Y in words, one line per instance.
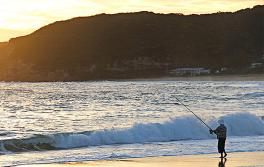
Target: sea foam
column 179, row 128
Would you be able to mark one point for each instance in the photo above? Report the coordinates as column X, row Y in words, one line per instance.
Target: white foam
column 182, row 128
column 244, row 124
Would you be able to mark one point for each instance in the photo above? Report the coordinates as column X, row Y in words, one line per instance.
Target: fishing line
column 193, row 113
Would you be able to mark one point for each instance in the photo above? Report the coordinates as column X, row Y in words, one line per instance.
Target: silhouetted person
column 222, row 163
column 220, row 131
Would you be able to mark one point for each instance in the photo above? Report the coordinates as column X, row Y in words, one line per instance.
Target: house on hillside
column 189, row 71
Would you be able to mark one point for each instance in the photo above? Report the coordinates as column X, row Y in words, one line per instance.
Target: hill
column 141, row 44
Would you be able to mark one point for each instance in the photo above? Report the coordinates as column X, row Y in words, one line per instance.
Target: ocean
column 82, row 121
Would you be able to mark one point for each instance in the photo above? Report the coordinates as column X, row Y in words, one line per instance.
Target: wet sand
column 244, row 159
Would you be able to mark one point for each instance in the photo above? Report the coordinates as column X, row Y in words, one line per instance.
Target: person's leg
column 221, row 146
column 224, row 148
column 225, row 153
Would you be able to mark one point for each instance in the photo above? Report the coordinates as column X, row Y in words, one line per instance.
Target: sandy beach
column 240, row 159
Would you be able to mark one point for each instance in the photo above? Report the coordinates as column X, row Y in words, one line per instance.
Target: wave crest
column 181, row 128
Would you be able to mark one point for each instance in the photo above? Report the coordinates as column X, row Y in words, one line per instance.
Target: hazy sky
column 20, row 17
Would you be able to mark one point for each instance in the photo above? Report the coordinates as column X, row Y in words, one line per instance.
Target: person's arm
column 214, row 131
column 217, row 130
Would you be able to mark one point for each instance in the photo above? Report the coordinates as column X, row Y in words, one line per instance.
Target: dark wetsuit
column 220, row 131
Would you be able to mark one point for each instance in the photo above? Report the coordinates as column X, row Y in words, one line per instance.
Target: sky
column 21, row 17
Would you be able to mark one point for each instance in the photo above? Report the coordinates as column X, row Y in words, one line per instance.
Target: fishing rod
column 193, row 113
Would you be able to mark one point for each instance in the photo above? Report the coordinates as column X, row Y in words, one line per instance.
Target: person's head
column 221, row 122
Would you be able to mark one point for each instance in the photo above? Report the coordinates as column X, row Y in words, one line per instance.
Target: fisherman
column 220, row 131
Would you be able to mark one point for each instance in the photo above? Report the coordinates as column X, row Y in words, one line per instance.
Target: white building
column 255, row 65
column 190, row 71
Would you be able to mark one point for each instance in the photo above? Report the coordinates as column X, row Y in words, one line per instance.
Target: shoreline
column 235, row 159
column 227, row 77
column 233, row 77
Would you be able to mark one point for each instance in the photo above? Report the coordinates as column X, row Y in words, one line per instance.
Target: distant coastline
column 225, row 77
column 233, row 77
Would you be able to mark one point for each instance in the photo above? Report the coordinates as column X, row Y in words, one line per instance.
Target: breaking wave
column 181, row 128
column 254, row 95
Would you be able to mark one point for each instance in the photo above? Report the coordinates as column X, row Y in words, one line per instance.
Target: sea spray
column 244, row 124
column 179, row 128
